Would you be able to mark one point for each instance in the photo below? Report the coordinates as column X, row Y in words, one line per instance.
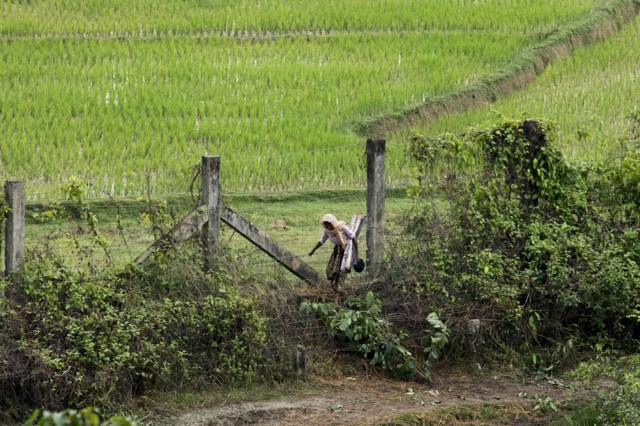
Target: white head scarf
column 337, row 228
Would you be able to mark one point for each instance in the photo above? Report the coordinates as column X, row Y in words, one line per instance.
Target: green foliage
column 75, row 191
column 49, row 214
column 85, row 417
column 100, row 337
column 158, row 217
column 361, row 324
column 618, row 405
column 547, row 248
column 545, row 404
column 435, row 340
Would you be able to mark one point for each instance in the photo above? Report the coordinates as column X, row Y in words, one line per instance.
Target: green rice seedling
column 123, row 111
column 246, row 18
column 589, row 95
column 129, row 95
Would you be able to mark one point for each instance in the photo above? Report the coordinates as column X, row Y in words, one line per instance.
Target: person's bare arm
column 317, row 246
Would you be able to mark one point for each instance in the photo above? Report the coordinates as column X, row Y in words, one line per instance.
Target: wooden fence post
column 474, row 332
column 210, row 198
column 375, row 205
column 14, row 227
column 299, row 363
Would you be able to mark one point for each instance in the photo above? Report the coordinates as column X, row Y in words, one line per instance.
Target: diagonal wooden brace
column 197, row 218
column 268, row 245
column 181, row 231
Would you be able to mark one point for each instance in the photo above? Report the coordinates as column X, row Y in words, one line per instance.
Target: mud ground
column 372, row 401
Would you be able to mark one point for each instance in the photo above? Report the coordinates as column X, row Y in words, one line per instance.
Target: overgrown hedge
column 545, row 252
column 69, row 337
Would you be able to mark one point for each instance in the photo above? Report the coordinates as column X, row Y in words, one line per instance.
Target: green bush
column 85, row 417
column 360, row 324
column 619, row 404
column 99, row 338
column 506, row 228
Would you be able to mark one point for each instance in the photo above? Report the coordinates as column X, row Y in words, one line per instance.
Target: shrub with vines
column 102, row 338
column 547, row 250
column 72, row 336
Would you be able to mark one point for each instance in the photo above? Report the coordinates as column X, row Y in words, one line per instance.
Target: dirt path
column 363, row 401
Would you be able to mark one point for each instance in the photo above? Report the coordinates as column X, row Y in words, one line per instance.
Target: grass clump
column 487, row 414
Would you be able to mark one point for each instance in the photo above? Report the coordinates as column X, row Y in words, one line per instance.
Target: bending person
column 339, row 234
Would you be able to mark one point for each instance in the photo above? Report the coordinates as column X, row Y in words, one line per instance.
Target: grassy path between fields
column 601, row 23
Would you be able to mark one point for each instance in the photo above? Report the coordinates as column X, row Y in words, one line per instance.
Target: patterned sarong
column 333, row 267
column 341, row 261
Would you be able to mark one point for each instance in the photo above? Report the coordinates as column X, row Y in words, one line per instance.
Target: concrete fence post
column 14, row 227
column 375, row 205
column 210, row 197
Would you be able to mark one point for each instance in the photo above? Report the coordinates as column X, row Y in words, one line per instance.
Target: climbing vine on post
column 75, row 191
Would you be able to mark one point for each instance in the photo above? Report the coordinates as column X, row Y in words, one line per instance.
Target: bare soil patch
column 371, row 401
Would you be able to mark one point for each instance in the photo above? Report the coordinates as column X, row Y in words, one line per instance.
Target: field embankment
column 523, row 70
column 590, row 96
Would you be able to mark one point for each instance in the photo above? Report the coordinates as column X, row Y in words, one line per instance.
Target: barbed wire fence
column 136, row 232
column 134, row 223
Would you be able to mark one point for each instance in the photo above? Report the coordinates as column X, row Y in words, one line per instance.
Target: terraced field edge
column 601, row 23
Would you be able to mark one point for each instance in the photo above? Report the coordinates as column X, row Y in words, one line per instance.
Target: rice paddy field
column 128, row 95
column 590, row 97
